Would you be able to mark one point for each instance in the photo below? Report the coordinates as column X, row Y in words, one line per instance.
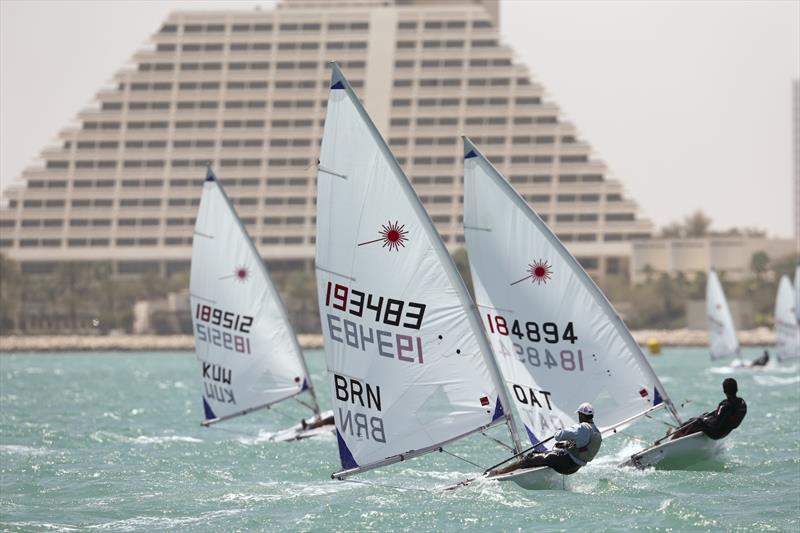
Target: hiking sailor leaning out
column 575, row 446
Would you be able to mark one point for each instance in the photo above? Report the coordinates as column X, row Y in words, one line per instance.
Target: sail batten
column 407, row 361
column 558, row 340
column 246, row 348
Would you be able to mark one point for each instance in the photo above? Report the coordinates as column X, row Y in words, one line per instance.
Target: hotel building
column 246, row 91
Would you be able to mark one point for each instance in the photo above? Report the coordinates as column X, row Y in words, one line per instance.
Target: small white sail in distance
column 787, row 330
column 797, row 292
column 409, row 365
column 247, row 350
column 557, row 339
column 722, row 341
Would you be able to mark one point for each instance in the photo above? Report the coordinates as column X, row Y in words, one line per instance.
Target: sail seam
column 204, row 299
column 335, row 273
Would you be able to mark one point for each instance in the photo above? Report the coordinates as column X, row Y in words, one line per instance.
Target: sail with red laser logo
column 247, row 350
column 409, row 366
column 557, row 339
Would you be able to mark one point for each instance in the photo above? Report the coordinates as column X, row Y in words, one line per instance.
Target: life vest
column 586, row 453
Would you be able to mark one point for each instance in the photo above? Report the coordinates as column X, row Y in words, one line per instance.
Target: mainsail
column 722, row 341
column 787, row 330
column 797, row 292
column 409, row 365
column 248, row 352
column 557, row 339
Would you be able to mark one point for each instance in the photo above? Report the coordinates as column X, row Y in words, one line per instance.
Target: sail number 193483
column 389, row 311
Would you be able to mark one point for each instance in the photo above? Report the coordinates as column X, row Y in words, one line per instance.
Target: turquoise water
column 112, row 442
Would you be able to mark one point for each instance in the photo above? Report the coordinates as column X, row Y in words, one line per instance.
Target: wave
column 162, row 523
column 14, row 449
column 143, row 439
column 776, row 380
column 768, row 369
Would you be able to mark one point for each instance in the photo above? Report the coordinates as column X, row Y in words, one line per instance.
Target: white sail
column 410, row 368
column 722, row 341
column 797, row 292
column 556, row 337
column 787, row 331
column 248, row 353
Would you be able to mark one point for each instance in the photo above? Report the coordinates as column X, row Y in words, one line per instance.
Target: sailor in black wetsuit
column 761, row 361
column 718, row 423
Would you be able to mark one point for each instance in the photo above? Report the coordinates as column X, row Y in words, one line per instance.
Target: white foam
column 776, row 380
column 161, row 523
column 13, row 449
column 161, row 440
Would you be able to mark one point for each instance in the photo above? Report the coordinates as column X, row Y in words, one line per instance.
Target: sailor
column 760, row 361
column 575, row 446
column 718, row 423
column 317, row 422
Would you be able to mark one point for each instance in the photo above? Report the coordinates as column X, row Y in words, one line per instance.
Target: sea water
column 112, row 441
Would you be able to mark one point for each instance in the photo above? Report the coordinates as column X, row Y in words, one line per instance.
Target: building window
column 619, row 217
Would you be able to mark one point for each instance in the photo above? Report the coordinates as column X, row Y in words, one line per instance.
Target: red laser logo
column 241, row 274
column 393, row 236
column 538, row 272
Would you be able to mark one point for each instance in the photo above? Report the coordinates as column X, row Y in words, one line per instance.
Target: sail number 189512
column 534, row 331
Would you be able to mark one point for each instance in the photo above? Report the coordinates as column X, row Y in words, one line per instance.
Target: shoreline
column 158, row 343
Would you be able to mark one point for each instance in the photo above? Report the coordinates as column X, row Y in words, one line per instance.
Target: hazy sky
column 689, row 103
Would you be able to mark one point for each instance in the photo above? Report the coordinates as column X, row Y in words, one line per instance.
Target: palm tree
column 759, row 263
column 10, row 294
column 697, row 224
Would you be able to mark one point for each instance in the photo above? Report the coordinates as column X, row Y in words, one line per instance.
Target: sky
column 688, row 103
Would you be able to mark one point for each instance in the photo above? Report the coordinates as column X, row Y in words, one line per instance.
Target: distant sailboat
column 409, row 365
column 787, row 330
column 248, row 352
column 557, row 339
column 722, row 340
column 797, row 292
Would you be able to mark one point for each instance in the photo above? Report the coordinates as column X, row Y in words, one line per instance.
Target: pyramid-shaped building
column 246, row 91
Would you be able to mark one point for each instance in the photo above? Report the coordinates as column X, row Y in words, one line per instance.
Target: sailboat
column 557, row 339
column 248, row 354
column 787, row 329
column 722, row 340
column 409, row 365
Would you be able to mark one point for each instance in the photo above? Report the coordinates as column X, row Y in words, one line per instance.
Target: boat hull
column 297, row 432
column 677, row 454
column 538, row 478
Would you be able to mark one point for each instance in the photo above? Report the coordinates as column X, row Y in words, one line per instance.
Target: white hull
column 537, row 478
column 677, row 454
column 297, row 432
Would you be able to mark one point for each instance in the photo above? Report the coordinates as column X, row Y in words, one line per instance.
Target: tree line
column 87, row 298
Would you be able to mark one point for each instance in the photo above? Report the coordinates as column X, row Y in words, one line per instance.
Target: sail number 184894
column 546, row 332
